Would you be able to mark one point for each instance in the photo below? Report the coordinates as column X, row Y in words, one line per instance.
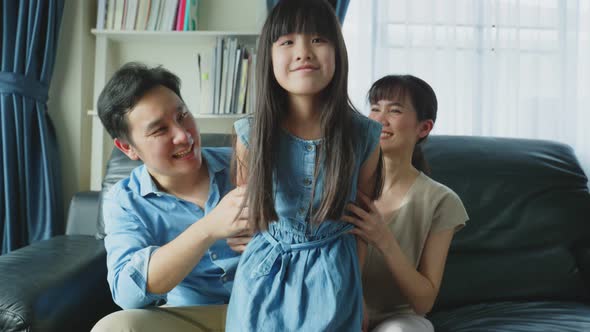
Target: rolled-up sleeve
column 129, row 246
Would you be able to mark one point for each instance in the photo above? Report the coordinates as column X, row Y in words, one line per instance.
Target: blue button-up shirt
column 139, row 219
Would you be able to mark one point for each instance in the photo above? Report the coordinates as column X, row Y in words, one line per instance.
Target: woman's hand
column 370, row 225
column 365, row 326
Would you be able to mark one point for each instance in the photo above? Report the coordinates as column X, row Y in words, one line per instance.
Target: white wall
column 70, row 95
column 71, row 92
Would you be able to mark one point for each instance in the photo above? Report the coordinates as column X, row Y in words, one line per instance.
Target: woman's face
column 401, row 128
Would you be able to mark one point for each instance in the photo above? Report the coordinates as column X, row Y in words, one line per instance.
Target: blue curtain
column 31, row 207
column 340, row 7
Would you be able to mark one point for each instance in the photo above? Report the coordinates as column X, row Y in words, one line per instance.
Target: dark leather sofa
column 521, row 264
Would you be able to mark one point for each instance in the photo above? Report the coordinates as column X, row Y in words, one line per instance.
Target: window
column 512, row 68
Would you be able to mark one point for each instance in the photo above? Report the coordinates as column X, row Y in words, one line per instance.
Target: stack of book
column 226, row 78
column 147, row 15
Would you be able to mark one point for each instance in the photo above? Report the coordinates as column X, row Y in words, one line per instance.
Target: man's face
column 163, row 134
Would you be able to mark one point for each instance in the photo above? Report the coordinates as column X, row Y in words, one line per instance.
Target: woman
column 410, row 227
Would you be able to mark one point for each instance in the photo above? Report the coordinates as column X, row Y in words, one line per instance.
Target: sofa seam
column 17, row 316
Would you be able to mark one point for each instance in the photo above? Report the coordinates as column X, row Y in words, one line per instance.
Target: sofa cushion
column 529, row 210
column 514, row 317
column 119, row 167
column 83, row 213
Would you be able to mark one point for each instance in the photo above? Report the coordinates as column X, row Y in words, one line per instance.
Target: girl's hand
column 370, row 225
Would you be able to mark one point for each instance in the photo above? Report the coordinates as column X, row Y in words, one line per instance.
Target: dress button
column 224, row 279
column 307, row 182
column 309, row 147
column 213, row 256
column 301, row 210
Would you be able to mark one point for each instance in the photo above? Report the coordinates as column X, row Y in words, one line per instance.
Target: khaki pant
column 194, row 318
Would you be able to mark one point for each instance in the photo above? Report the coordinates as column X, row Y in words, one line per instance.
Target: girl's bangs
column 306, row 17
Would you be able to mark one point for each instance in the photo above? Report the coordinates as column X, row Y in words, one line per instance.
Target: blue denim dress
column 299, row 276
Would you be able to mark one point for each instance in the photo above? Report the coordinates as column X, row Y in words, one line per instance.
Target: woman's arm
column 366, row 186
column 419, row 286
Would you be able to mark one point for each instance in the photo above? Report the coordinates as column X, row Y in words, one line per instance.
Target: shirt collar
column 146, row 183
column 148, row 186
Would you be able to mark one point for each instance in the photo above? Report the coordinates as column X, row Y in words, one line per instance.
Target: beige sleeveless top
column 428, row 207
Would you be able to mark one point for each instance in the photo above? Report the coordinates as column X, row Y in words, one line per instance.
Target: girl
column 302, row 156
column 410, row 227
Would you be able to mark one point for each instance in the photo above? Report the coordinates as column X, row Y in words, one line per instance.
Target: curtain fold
column 31, row 205
column 509, row 68
column 340, row 7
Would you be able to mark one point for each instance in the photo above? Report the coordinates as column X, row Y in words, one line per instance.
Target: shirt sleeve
column 449, row 214
column 127, row 243
column 242, row 128
column 371, row 133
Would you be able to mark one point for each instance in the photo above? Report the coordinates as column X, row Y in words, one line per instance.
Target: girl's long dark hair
column 336, row 153
column 421, row 96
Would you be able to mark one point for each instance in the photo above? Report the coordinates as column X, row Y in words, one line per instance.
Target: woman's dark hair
column 421, row 96
column 336, row 151
column 122, row 92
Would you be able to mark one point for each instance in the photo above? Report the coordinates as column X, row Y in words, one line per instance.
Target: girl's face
column 303, row 64
column 401, row 128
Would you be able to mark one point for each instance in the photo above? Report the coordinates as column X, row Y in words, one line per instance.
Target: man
column 174, row 227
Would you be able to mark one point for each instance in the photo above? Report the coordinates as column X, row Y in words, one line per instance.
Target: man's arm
column 239, row 242
column 139, row 273
column 171, row 263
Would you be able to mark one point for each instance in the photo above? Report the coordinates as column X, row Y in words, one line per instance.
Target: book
column 212, row 78
column 243, row 84
column 229, row 79
column 217, row 73
column 101, row 14
column 168, row 15
column 235, row 80
column 119, row 14
column 131, row 14
column 180, row 15
column 205, row 80
column 190, row 15
column 111, row 4
column 223, row 85
column 159, row 12
column 143, row 14
column 154, row 14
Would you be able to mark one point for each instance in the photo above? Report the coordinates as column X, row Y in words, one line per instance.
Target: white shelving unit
column 177, row 52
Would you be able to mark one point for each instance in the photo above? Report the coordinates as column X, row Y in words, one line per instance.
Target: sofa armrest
column 583, row 256
column 55, row 285
column 83, row 213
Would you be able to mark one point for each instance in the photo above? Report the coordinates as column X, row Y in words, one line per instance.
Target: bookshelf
column 176, row 51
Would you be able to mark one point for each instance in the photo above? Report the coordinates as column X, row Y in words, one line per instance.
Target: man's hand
column 238, row 243
column 228, row 219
